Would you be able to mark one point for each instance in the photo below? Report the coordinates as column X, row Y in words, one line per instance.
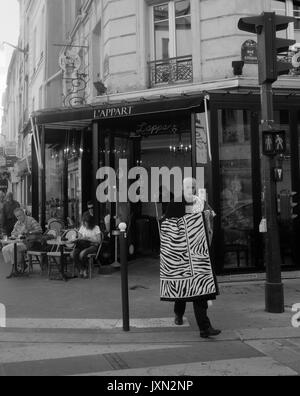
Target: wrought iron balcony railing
column 171, row 71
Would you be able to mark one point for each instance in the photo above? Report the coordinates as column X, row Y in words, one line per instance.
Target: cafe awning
column 82, row 117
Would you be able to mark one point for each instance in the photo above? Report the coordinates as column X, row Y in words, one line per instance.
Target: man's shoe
column 210, row 332
column 179, row 321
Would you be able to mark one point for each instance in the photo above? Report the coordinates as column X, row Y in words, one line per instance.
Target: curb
column 256, row 277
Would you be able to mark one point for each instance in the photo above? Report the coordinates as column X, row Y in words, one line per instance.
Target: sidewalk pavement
column 75, row 328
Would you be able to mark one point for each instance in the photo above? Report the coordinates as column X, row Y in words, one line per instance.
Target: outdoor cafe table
column 15, row 242
column 60, row 245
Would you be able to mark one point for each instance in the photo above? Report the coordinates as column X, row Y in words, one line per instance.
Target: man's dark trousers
column 200, row 309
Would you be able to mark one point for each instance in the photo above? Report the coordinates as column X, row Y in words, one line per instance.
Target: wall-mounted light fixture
column 238, row 67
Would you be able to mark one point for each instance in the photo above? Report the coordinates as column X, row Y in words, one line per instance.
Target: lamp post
column 124, row 276
column 116, row 233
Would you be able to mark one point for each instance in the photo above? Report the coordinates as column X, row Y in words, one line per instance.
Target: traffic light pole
column 269, row 46
column 274, row 285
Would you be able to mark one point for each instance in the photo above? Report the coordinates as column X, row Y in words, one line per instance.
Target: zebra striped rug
column 186, row 271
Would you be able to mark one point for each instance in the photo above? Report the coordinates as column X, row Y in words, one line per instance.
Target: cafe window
column 172, row 35
column 54, row 182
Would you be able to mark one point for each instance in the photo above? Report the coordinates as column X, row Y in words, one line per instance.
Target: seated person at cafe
column 9, row 219
column 87, row 243
column 26, row 229
column 90, row 211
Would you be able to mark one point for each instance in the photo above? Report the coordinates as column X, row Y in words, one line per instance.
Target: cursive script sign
column 201, row 140
column 146, row 129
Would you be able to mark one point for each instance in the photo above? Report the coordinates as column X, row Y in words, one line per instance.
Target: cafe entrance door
column 146, row 143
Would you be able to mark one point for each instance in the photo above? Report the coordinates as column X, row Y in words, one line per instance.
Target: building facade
column 32, row 84
column 138, row 80
column 11, row 109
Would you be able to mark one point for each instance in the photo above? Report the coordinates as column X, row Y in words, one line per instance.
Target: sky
column 9, row 31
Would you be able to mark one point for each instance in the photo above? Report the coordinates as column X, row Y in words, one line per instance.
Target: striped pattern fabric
column 186, row 270
column 30, row 225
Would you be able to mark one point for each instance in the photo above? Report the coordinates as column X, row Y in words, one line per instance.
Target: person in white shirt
column 87, row 243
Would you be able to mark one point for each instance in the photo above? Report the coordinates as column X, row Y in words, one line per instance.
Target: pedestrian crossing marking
column 91, row 324
column 154, row 323
column 30, row 352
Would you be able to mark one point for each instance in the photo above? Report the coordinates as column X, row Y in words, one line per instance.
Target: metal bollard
column 124, row 276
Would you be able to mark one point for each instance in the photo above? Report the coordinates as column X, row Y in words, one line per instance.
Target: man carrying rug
column 186, row 269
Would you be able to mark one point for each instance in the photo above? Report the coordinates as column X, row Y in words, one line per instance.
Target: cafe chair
column 238, row 246
column 56, row 255
column 54, row 265
column 56, row 225
column 70, row 235
column 36, row 257
column 94, row 258
column 39, row 257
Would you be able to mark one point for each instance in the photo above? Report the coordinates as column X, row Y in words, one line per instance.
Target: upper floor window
column 34, row 49
column 288, row 7
column 172, row 29
column 297, row 15
column 78, row 5
column 279, row 7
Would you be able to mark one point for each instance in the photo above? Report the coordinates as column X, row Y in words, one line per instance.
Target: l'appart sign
column 113, row 112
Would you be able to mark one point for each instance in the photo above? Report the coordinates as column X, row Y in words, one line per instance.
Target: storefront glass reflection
column 63, row 178
column 74, row 192
column 236, row 187
column 54, row 182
